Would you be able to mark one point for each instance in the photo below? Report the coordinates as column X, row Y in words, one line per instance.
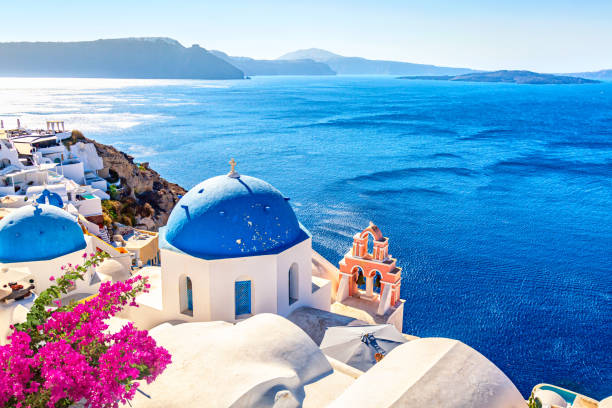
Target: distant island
column 253, row 67
column 603, row 75
column 160, row 58
column 514, row 77
column 362, row 66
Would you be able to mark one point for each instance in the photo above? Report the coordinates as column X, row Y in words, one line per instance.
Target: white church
column 232, row 248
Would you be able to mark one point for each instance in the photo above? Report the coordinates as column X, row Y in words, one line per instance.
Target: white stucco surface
column 258, row 362
column 73, row 171
column 322, row 392
column 113, row 269
column 432, row 372
column 606, row 403
column 88, row 155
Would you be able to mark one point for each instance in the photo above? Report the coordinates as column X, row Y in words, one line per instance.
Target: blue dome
column 47, row 197
column 38, row 233
column 225, row 217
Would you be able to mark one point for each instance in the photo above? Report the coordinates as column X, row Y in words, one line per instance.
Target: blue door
column 243, row 297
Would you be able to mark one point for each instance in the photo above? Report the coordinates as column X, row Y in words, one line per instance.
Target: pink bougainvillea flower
column 69, row 357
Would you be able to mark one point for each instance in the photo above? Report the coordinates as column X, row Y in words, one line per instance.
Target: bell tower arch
column 379, row 269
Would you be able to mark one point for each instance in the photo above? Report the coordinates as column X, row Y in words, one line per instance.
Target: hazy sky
column 542, row 35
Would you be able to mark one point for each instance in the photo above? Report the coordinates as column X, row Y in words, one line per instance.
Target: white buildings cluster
column 35, row 161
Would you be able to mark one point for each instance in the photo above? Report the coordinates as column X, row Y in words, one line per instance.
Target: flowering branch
column 61, row 356
column 40, row 311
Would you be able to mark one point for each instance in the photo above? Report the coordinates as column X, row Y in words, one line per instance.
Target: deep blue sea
column 496, row 198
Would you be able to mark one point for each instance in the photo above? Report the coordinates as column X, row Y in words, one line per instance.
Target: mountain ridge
column 166, row 58
column 252, row 67
column 602, row 74
column 315, row 54
column 363, row 66
column 145, row 57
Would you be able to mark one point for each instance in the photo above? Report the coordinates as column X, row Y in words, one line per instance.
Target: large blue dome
column 36, row 233
column 225, row 217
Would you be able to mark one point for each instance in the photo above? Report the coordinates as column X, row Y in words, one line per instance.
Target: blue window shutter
column 243, row 297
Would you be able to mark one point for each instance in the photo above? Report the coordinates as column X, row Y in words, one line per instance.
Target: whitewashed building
column 232, row 248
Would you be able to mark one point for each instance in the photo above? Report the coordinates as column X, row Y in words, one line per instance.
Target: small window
column 189, row 295
column 186, row 296
column 294, row 281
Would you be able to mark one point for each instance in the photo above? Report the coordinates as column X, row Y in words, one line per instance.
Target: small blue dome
column 36, row 233
column 225, row 217
column 47, row 197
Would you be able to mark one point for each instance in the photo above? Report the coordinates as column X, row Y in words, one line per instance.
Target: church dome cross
column 233, row 173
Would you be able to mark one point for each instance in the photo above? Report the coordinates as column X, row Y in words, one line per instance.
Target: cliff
column 253, row 67
column 116, row 58
column 515, row 77
column 145, row 199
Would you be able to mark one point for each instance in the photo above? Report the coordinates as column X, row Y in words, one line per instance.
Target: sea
column 496, row 198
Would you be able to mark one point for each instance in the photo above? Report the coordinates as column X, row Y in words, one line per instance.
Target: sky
column 540, row 35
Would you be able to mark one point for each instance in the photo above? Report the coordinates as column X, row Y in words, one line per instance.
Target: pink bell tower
column 371, row 276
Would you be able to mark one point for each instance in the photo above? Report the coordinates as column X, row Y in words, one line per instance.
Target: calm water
column 497, row 198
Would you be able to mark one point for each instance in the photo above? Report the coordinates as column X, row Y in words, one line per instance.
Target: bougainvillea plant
column 64, row 354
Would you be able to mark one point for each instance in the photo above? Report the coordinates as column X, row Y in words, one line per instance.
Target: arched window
column 186, row 296
column 294, row 282
column 360, row 279
column 377, row 284
column 242, row 297
column 370, row 248
column 189, row 295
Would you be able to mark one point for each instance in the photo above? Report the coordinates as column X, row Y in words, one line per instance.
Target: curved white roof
column 218, row 364
column 432, row 372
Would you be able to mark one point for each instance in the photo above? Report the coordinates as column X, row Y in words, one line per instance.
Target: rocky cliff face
column 144, row 198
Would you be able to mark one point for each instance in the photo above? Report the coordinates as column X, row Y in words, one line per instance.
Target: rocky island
column 506, row 76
